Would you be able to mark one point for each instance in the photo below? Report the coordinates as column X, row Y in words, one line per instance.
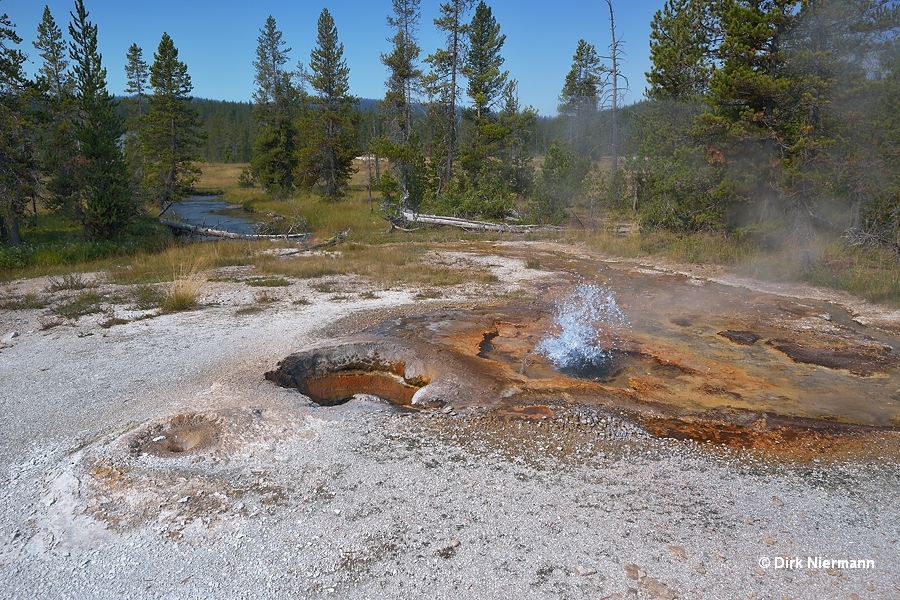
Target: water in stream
column 214, row 213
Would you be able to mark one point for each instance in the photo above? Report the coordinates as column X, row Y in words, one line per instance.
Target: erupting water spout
column 588, row 322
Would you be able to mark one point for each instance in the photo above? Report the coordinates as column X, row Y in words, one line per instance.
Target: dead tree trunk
column 615, row 52
column 195, row 230
column 412, row 217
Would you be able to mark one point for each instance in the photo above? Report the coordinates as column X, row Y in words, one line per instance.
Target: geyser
column 587, row 324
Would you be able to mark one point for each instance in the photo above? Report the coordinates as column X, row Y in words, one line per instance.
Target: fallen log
column 195, row 230
column 337, row 238
column 468, row 225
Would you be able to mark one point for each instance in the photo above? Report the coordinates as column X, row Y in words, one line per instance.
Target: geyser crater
column 331, row 376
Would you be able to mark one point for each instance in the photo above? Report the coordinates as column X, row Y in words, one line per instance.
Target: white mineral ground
column 293, row 500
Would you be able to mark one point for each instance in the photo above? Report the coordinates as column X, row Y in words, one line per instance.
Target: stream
column 212, row 212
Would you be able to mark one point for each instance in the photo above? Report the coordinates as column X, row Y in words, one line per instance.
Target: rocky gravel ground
column 152, row 460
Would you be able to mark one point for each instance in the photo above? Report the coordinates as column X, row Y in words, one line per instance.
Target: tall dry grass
column 404, row 263
column 871, row 273
column 182, row 258
column 188, row 279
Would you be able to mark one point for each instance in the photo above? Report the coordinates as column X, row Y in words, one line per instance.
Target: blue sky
column 217, row 38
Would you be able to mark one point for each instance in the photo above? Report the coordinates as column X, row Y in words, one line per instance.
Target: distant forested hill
column 228, row 128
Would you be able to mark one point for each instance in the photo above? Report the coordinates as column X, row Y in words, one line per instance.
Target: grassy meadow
column 149, row 254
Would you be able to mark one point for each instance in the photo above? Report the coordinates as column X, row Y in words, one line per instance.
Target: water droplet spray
column 588, row 323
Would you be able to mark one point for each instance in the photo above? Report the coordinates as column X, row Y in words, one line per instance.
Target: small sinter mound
column 744, row 338
column 185, row 433
column 861, row 361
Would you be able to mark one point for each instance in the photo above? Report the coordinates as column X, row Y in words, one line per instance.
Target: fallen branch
column 163, row 211
column 334, row 240
column 403, row 229
column 195, row 230
column 412, row 217
column 580, row 224
column 862, row 237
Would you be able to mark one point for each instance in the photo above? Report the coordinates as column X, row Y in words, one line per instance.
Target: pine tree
column 580, row 97
column 137, row 74
column 170, row 136
column 516, row 151
column 486, row 84
column 442, row 85
column 102, row 176
column 748, row 120
column 56, row 149
column 399, row 145
column 17, row 175
column 843, row 56
column 404, row 72
column 584, row 81
column 791, row 119
column 331, row 146
column 872, row 170
column 276, row 102
column 682, row 47
column 53, row 75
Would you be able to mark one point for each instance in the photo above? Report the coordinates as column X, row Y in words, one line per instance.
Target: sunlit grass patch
column 147, row 297
column 70, row 281
column 384, row 263
column 55, row 244
column 871, row 273
column 701, row 248
column 183, row 294
column 305, row 210
column 28, row 301
column 270, row 281
column 84, row 303
column 219, row 177
column 187, row 279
